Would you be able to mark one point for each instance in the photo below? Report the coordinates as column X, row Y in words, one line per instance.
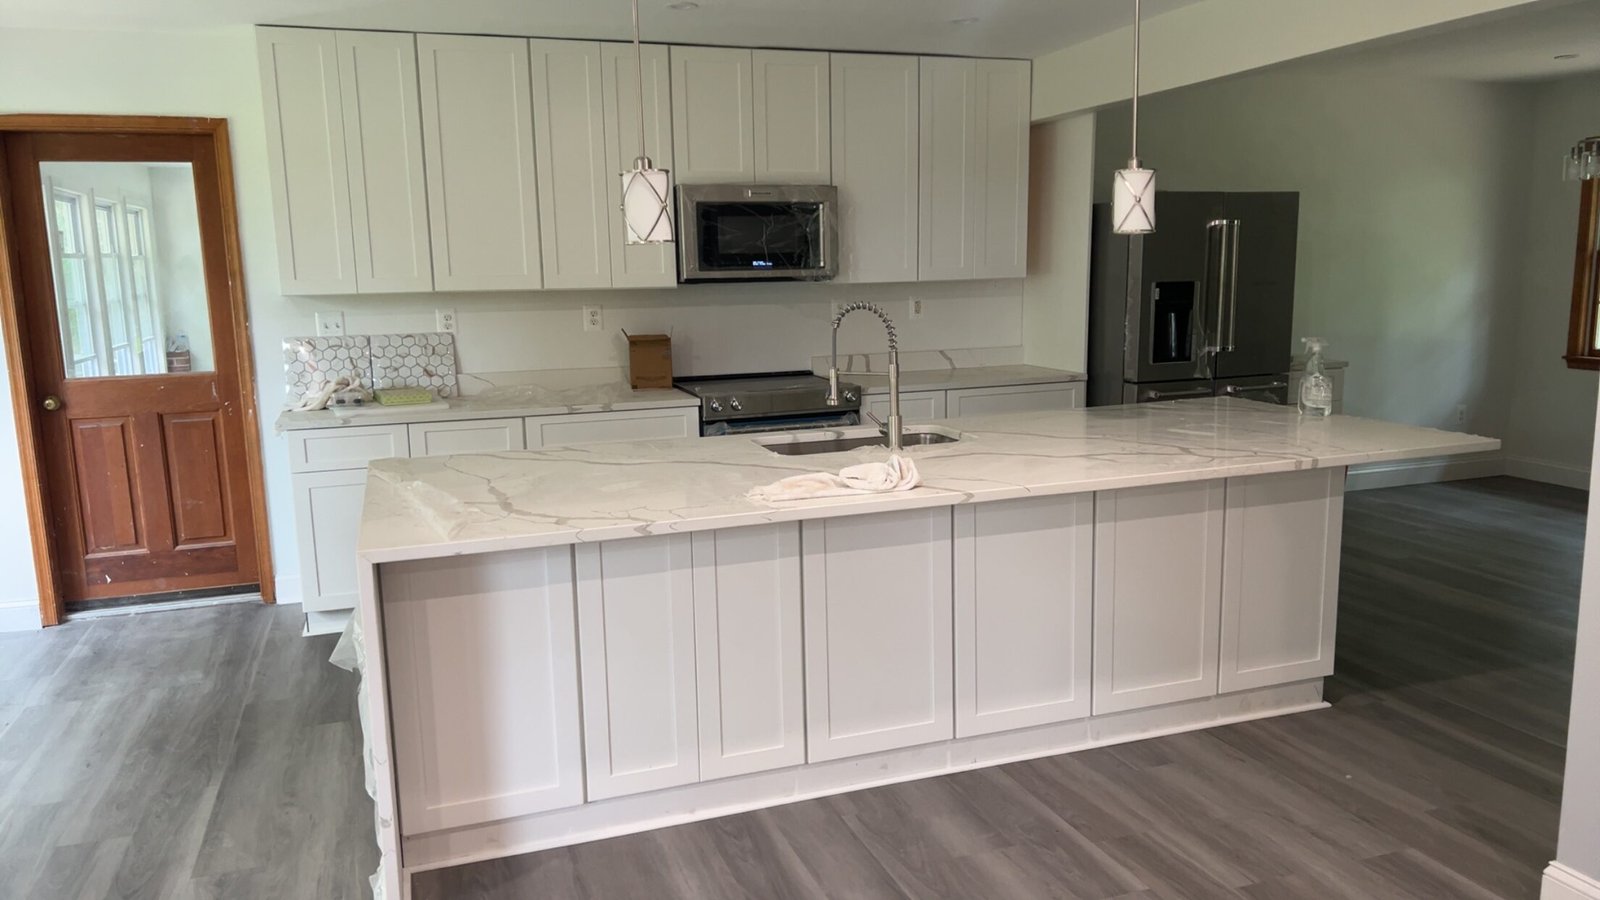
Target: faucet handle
column 875, row 420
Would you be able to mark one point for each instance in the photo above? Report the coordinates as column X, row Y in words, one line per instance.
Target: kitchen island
column 577, row 643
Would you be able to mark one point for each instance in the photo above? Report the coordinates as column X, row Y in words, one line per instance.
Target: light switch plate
column 916, row 308
column 330, row 324
column 592, row 319
column 444, row 320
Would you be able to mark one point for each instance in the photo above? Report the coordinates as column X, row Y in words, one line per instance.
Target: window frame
column 1583, row 343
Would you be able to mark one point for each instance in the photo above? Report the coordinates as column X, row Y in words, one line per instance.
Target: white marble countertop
column 967, row 377
column 438, row 506
column 509, row 394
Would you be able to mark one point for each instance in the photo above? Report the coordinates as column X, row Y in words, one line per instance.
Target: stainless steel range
column 770, row 401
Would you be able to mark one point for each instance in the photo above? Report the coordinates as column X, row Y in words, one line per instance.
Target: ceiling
column 1516, row 47
column 1018, row 28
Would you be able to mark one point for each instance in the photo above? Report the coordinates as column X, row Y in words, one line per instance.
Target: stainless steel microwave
column 756, row 232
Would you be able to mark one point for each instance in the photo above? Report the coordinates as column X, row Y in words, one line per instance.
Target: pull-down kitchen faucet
column 892, row 427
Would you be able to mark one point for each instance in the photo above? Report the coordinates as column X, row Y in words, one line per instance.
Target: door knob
column 52, row 403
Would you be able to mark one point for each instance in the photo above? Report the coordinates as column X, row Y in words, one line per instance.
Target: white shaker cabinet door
column 327, row 524
column 1024, row 578
column 1280, row 581
column 1018, row 398
column 636, row 265
column 383, row 150
column 747, row 641
column 570, row 152
column 1004, row 88
column 466, row 436
column 877, row 623
column 1157, row 594
column 306, row 160
column 792, row 143
column 948, row 207
column 915, row 406
column 875, row 145
column 636, row 643
column 477, row 129
column 711, row 115
column 483, row 687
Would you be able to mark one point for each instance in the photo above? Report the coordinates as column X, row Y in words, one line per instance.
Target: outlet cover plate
column 330, row 324
column 444, row 320
column 593, row 320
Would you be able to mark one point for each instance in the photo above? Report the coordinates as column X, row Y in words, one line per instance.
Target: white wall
column 1410, row 195
column 1551, row 435
column 1055, row 294
column 715, row 328
column 180, row 266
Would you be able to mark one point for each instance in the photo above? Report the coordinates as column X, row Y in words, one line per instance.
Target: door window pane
column 130, row 280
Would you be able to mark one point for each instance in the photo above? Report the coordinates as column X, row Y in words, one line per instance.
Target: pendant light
column 1583, row 163
column 646, row 190
column 1133, row 190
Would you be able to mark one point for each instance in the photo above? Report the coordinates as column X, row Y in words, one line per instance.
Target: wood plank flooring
column 220, row 759
column 1436, row 774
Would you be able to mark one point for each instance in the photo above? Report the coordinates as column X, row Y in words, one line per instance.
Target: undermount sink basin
column 839, row 440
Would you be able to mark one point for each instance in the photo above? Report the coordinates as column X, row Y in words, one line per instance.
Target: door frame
column 19, row 362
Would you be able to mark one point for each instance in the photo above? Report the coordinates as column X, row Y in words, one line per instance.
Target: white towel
column 898, row 474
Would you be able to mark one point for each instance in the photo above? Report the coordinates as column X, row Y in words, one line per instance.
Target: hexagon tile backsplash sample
column 426, row 360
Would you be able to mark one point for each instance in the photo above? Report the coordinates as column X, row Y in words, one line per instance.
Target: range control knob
column 851, row 396
column 735, row 404
column 715, row 404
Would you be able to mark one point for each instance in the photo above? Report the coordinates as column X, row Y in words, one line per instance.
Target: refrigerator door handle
column 1233, row 285
column 1219, row 265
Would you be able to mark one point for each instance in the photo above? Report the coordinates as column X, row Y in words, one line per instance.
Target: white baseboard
column 1548, row 472
column 20, row 615
column 287, row 589
column 1562, row 882
column 1424, row 471
column 330, row 622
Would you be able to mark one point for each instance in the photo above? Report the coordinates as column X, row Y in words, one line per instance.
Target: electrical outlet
column 592, row 320
column 445, row 320
column 916, row 308
column 330, row 324
column 1461, row 416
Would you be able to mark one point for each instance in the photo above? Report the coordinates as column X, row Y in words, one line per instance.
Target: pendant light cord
column 639, row 74
column 1137, row 22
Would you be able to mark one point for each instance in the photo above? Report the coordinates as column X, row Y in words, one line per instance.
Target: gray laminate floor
column 220, row 759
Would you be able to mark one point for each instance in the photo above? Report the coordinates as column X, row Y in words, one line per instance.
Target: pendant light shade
column 646, row 190
column 1133, row 190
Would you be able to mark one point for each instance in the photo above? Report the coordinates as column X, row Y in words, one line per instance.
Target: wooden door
column 711, row 111
column 874, row 134
column 121, row 243
column 792, row 143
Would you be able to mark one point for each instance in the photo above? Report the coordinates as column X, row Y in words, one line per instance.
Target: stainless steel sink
column 840, row 440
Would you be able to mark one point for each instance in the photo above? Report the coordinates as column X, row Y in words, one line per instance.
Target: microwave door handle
column 1233, row 285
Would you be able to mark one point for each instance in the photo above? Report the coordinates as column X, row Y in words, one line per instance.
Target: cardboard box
column 649, row 361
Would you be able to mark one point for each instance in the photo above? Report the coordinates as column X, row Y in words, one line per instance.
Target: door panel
column 133, row 362
column 1171, row 275
column 1259, row 320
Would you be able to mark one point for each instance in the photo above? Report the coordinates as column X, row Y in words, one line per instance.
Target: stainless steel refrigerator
column 1202, row 307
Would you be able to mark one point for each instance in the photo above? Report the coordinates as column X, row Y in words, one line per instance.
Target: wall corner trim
column 1562, row 882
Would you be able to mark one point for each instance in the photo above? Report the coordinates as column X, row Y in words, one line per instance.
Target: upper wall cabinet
column 570, row 149
column 477, row 129
column 874, row 114
column 345, row 145
column 636, row 265
column 750, row 116
column 974, row 172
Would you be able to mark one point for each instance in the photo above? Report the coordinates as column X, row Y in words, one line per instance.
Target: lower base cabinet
column 878, row 647
column 483, row 685
column 1024, row 579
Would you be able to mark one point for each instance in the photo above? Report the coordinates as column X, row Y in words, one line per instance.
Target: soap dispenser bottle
column 1316, row 391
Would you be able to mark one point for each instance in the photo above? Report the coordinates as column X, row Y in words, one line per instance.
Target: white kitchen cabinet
column 477, row 129
column 791, row 122
column 467, row 436
column 345, row 447
column 1280, row 577
column 1024, row 594
column 570, row 155
column 306, row 160
column 948, row 204
column 1157, row 594
column 1013, row 399
column 915, row 406
column 1004, row 116
column 483, row 681
column 327, row 516
column 636, row 265
column 878, row 652
column 748, row 649
column 622, row 425
column 383, row 155
column 637, row 657
column 712, row 106
column 875, row 113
